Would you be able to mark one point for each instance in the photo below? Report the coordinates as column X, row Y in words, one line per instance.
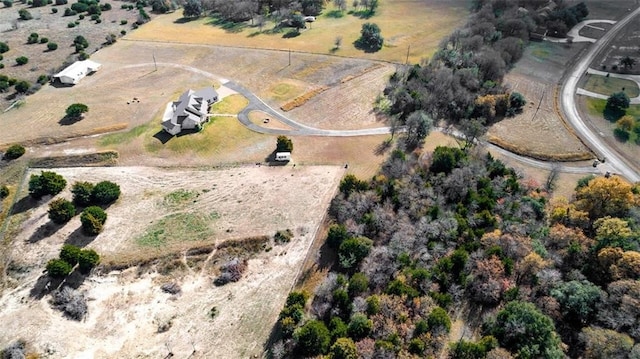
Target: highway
column 614, row 160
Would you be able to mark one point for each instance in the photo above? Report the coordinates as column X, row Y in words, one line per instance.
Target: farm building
column 77, row 71
column 190, row 111
column 283, row 156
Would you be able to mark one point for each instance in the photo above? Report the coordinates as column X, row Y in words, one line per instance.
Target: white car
column 309, row 18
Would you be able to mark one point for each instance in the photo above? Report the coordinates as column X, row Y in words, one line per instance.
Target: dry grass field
column 417, row 24
column 125, row 307
column 539, row 131
column 608, row 85
column 54, row 27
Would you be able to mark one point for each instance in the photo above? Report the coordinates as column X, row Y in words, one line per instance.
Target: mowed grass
column 414, row 25
column 178, row 227
column 595, row 107
column 609, row 85
column 230, row 105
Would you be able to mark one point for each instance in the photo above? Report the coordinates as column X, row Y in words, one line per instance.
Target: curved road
column 256, row 104
column 616, row 161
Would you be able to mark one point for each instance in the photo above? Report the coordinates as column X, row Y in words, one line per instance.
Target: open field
column 419, row 25
column 539, row 131
column 625, row 44
column 126, row 307
column 609, row 85
column 54, row 27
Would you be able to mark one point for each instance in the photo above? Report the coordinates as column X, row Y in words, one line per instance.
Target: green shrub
column 105, row 192
column 416, row 346
column 337, row 328
column 22, row 86
column 82, row 193
column 33, row 38
column 123, row 32
column 123, row 22
column 296, row 297
column 76, row 110
column 284, row 144
column 105, row 7
column 343, row 348
column 71, row 25
column 61, row 211
column 79, row 7
column 373, row 305
column 83, row 56
column 47, row 183
column 3, row 47
column 4, row 192
column 337, row 234
column 13, row 152
column 70, row 254
column 81, row 17
column 95, row 17
column 52, row 46
column 353, row 250
column 24, row 14
column 87, row 260
column 92, row 219
column 7, row 3
column 54, row 10
column 358, row 283
column 44, row 40
column 98, row 21
column 22, row 60
column 57, row 268
column 69, row 12
column 439, row 319
column 43, row 79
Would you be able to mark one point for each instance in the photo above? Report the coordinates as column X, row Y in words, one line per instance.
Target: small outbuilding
column 76, row 72
column 283, row 156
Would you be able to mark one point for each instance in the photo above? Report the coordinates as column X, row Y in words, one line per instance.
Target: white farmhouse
column 77, row 71
column 190, row 111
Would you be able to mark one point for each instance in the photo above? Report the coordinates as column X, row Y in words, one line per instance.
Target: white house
column 190, row 111
column 77, row 71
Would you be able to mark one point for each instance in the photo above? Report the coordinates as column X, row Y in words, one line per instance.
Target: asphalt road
column 616, row 161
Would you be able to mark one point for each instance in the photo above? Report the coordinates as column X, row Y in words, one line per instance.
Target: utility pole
column 154, row 60
column 289, row 57
column 408, row 49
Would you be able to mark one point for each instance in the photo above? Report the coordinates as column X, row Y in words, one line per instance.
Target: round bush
column 54, row 10
column 82, row 193
column 105, row 192
column 13, row 152
column 22, row 86
column 22, row 60
column 61, row 211
column 47, row 183
column 52, row 46
column 87, row 260
column 44, row 40
column 57, row 268
column 92, row 219
column 70, row 254
column 360, row 326
column 312, row 338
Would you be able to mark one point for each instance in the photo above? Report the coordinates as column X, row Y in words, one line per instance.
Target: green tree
column 57, row 268
column 105, row 192
column 22, row 60
column 337, row 234
column 616, row 107
column 7, row 3
column 14, row 152
column 192, row 8
column 70, row 254
column 516, row 102
column 87, row 260
column 605, row 343
column 628, row 62
column 370, row 38
column 351, row 183
column 353, row 250
column 22, row 86
column 4, row 192
column 297, row 298
column 338, row 328
column 61, row 211
column 358, row 284
column 52, row 46
column 47, row 183
column 418, row 126
column 343, row 348
column 521, row 328
column 76, row 110
column 3, row 47
column 92, row 219
column 82, row 193
column 312, row 339
column 438, row 319
column 445, row 159
column 284, row 144
column 579, row 300
column 360, row 326
column 80, row 42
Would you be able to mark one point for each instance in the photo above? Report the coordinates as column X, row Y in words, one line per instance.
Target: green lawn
column 609, row 85
column 596, row 107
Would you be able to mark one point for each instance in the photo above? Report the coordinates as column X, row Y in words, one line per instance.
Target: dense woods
column 455, row 253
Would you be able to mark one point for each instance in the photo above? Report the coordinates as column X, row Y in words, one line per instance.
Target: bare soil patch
column 126, row 307
column 539, row 131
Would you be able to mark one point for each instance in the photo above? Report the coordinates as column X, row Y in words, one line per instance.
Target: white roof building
column 77, row 71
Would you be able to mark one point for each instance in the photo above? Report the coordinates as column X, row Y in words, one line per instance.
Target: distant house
column 190, row 111
column 538, row 34
column 76, row 72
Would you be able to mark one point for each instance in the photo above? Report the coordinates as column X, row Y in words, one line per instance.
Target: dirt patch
column 262, row 119
column 126, row 308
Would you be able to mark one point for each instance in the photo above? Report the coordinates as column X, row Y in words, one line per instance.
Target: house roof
column 192, row 105
column 78, row 69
